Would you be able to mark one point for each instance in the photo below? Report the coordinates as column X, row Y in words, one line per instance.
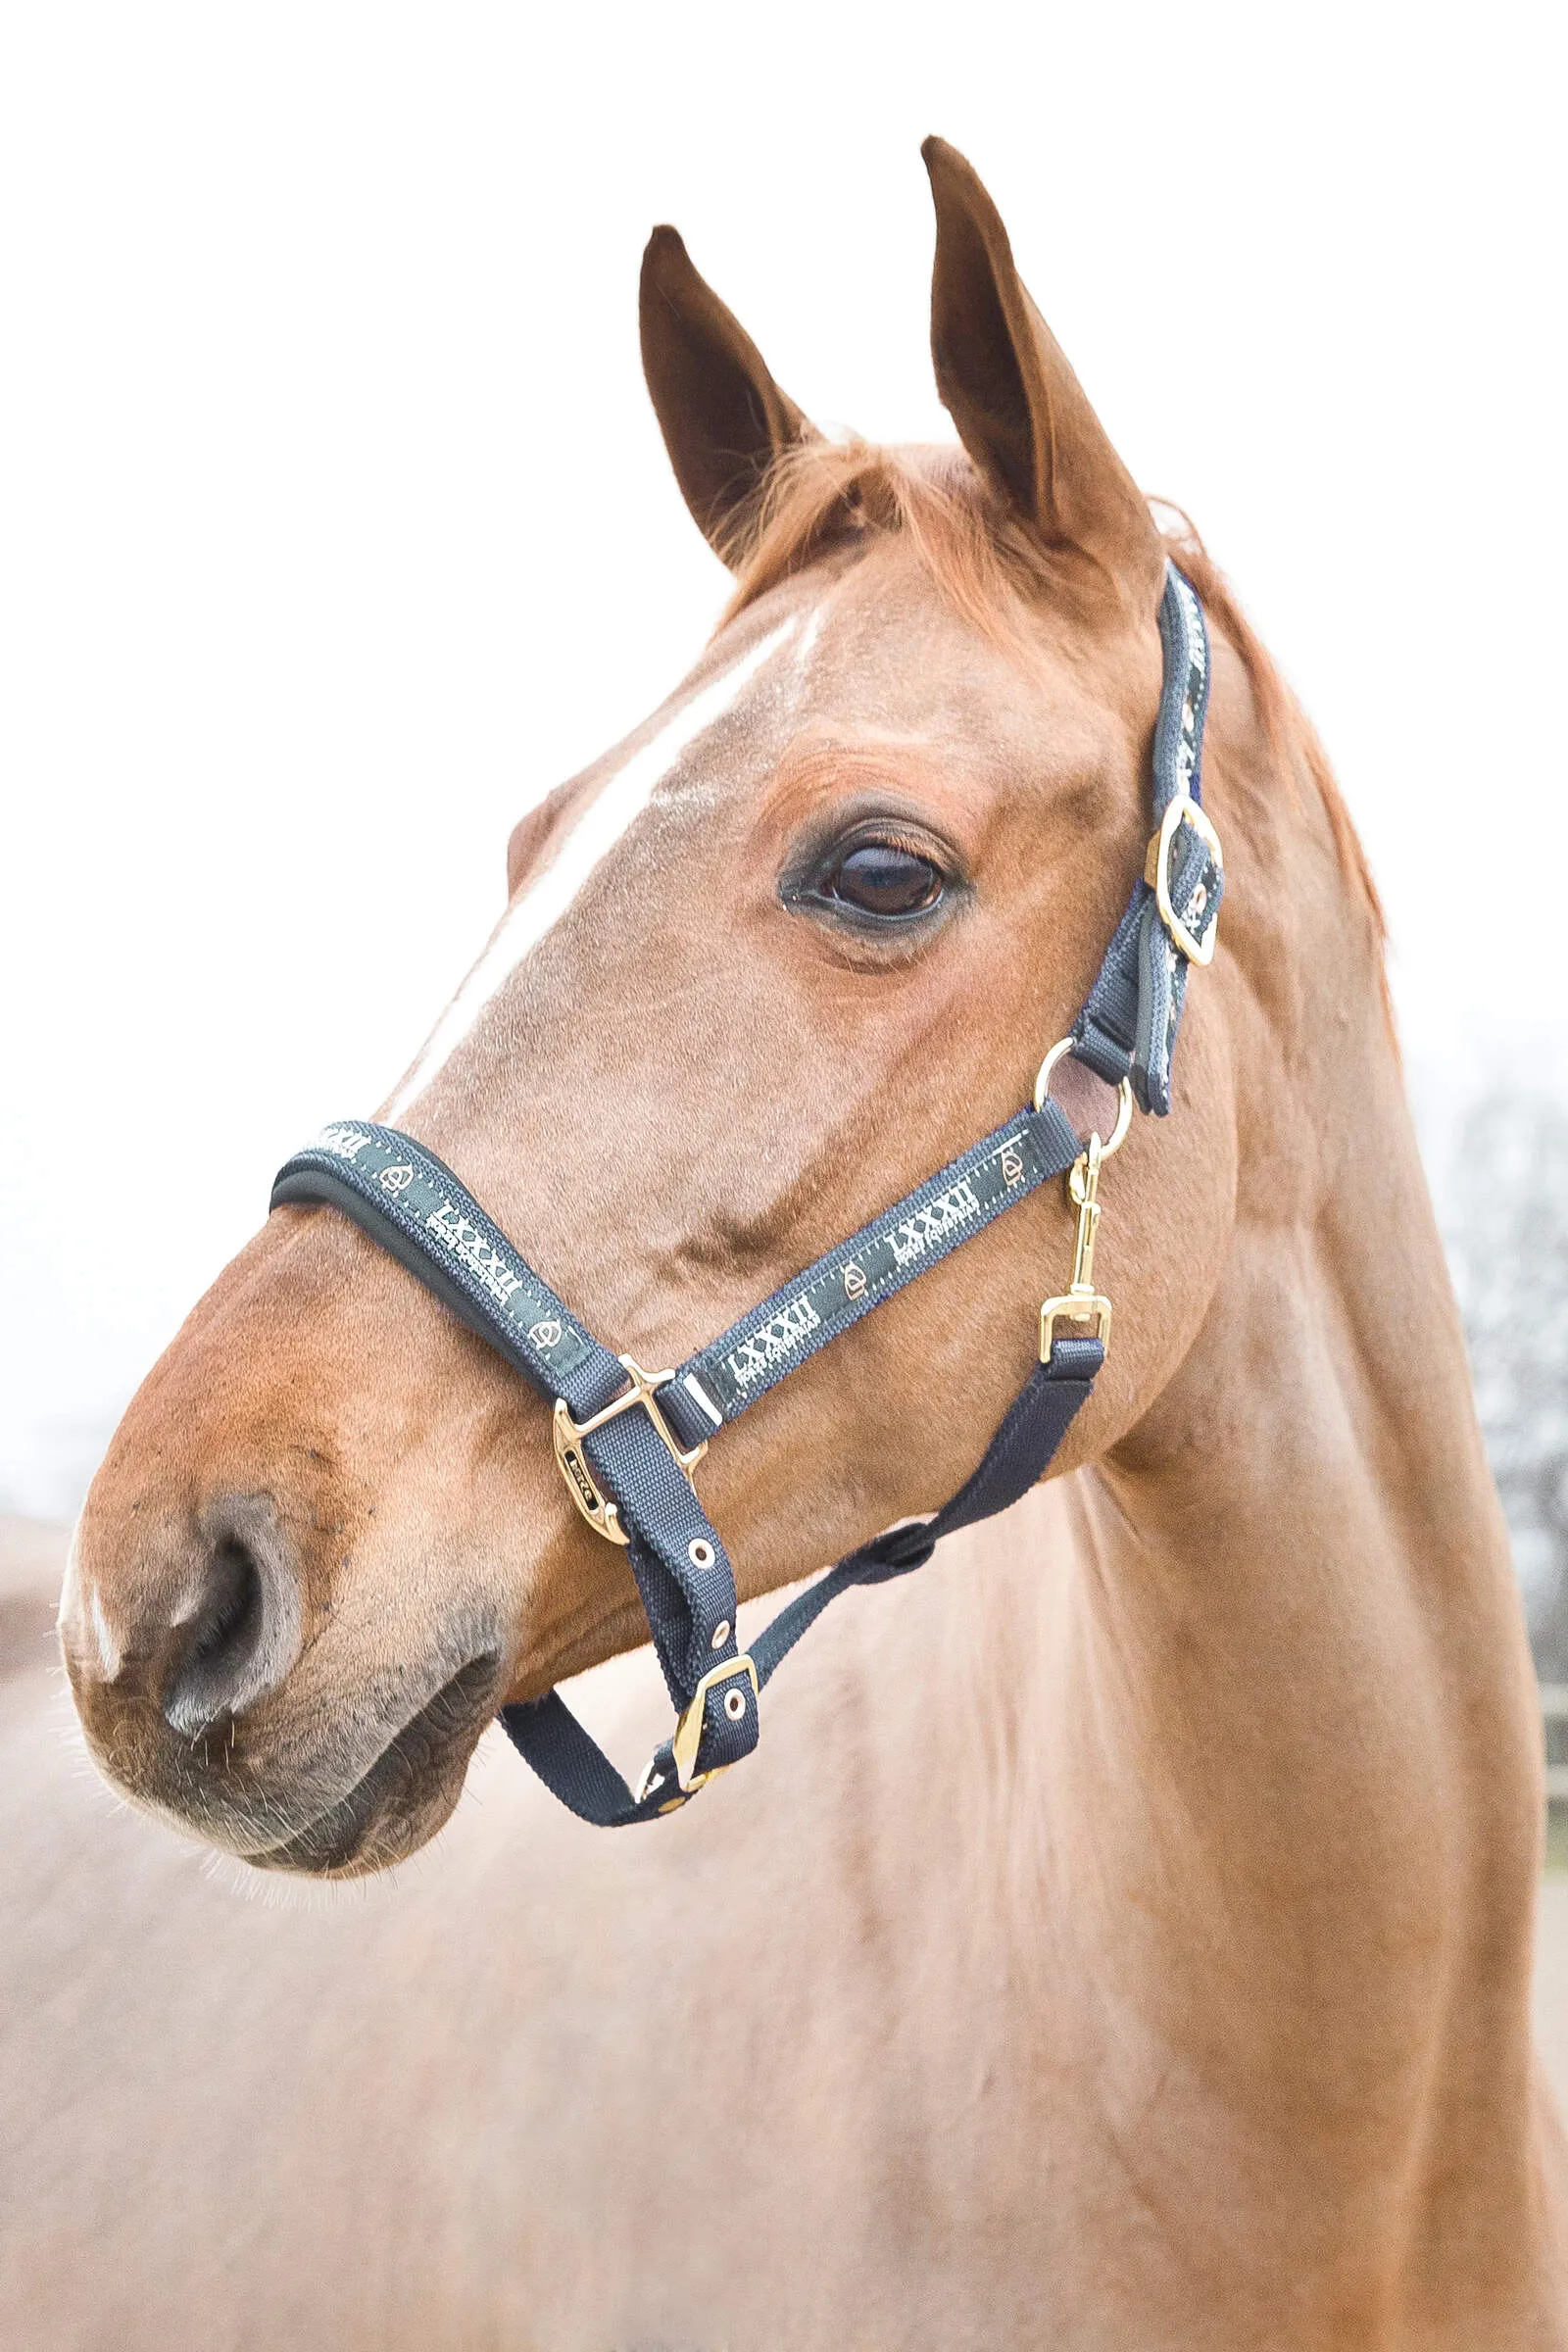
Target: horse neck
column 1284, row 1702
column 1315, row 1471
column 1302, row 1539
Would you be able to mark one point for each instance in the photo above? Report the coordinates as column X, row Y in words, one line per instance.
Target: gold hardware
column 1124, row 1097
column 689, row 1731
column 1081, row 1303
column 648, row 1782
column 581, row 1484
column 1183, row 810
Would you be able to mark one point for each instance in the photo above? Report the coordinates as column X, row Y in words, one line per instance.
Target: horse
column 1121, row 1934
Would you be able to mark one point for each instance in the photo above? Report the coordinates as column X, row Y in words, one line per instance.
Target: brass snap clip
column 1081, row 1303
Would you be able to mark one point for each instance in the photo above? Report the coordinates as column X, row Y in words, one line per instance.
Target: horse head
column 765, row 965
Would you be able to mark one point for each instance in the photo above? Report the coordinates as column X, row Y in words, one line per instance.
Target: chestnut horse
column 1122, row 1937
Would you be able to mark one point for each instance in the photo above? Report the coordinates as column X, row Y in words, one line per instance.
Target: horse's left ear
column 1020, row 411
column 723, row 417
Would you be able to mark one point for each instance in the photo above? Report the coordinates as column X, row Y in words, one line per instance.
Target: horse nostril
column 239, row 1641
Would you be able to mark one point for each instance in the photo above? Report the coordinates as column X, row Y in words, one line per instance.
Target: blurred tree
column 1509, row 1245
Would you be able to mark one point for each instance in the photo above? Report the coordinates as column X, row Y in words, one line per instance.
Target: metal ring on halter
column 1124, row 1097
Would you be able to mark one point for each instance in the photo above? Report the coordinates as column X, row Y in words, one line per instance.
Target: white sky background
column 335, row 527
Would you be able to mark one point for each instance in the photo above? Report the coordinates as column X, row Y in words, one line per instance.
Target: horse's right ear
column 724, row 418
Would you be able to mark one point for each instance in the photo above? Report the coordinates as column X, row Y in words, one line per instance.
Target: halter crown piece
column 627, row 1440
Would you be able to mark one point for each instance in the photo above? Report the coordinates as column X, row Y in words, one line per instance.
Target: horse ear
column 724, row 418
column 1020, row 411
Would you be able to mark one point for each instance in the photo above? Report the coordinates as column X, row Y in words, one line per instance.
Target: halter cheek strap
column 1127, row 1028
column 628, row 1441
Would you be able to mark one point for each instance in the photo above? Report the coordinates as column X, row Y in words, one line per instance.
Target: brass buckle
column 572, row 1462
column 1081, row 1303
column 689, row 1731
column 1183, row 811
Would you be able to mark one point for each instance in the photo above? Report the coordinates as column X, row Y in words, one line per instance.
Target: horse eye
column 880, row 878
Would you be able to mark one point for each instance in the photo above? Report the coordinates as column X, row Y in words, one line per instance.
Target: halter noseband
column 627, row 1440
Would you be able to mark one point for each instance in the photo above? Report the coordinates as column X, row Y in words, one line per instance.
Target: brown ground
column 31, row 1558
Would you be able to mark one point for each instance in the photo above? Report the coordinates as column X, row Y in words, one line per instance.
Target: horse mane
column 820, row 495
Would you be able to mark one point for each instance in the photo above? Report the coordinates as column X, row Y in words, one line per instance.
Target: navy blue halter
column 627, row 1440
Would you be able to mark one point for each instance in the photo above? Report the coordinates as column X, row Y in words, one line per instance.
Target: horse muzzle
column 212, row 1692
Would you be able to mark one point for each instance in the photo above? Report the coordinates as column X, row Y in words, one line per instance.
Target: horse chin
column 406, row 1795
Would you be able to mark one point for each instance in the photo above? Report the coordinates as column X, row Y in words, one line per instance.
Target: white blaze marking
column 108, row 1647
column 76, row 1598
column 809, row 635
column 613, row 811
column 70, row 1589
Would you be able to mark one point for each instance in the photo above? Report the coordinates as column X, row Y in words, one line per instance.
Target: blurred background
column 330, row 495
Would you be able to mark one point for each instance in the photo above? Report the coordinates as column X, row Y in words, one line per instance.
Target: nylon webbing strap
column 1128, row 1026
column 848, row 1281
column 1019, row 1455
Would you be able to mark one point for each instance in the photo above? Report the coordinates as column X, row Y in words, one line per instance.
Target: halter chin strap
column 627, row 1440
